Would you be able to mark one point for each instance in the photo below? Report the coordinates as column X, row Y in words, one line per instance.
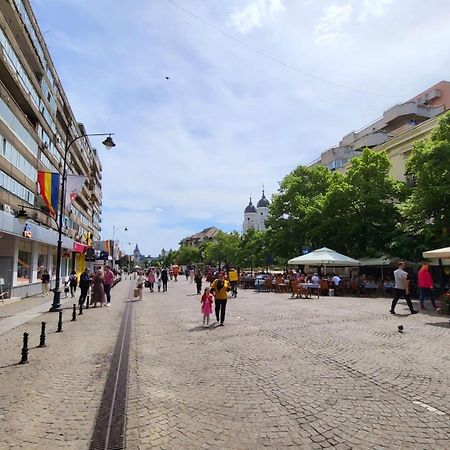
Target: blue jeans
column 422, row 293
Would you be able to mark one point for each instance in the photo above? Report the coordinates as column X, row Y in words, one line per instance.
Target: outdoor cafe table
column 310, row 287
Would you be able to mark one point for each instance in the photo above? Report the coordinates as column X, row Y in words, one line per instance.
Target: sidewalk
column 51, row 403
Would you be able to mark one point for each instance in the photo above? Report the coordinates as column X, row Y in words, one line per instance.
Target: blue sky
column 256, row 87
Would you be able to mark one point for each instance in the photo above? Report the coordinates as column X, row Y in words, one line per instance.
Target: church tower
column 262, row 208
column 137, row 255
column 250, row 217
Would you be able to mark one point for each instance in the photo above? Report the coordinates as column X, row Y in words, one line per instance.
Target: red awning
column 79, row 248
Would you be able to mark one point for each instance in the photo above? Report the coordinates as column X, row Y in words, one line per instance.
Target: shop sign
column 27, row 231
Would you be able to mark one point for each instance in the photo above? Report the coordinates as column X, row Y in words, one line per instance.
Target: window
column 24, row 263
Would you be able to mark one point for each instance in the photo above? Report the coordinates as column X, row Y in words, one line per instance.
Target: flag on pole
column 74, row 183
column 48, row 184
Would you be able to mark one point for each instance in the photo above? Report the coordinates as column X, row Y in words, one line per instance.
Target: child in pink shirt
column 207, row 301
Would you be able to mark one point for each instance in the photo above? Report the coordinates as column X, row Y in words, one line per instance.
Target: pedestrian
column 221, row 288
column 335, row 282
column 45, row 279
column 98, row 289
column 186, row 273
column 207, row 301
column 171, row 274
column 85, row 283
column 73, row 283
column 176, row 271
column 233, row 277
column 164, row 279
column 140, row 285
column 151, row 279
column 159, row 283
column 425, row 284
column 65, row 281
column 401, row 288
column 191, row 275
column 198, row 281
column 108, row 284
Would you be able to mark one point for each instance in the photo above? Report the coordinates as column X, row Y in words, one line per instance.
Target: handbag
column 147, row 284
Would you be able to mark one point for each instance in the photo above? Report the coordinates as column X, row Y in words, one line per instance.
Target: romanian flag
column 49, row 188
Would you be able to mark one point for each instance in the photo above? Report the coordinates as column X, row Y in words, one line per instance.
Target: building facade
column 36, row 121
column 255, row 217
column 394, row 132
column 208, row 234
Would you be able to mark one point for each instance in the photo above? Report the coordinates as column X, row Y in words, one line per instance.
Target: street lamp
column 108, row 143
column 114, row 241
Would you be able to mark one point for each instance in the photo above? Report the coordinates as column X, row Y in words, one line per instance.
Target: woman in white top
column 140, row 282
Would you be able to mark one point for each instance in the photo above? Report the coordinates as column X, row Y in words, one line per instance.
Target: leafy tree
column 224, row 248
column 188, row 254
column 295, row 209
column 426, row 212
column 254, row 249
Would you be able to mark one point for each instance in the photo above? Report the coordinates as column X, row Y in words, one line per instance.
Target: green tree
column 188, row 254
column 359, row 213
column 224, row 248
column 426, row 212
column 295, row 210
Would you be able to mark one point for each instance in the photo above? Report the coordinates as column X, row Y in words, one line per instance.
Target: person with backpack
column 73, row 283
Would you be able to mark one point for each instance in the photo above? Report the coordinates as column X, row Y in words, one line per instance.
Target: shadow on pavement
column 439, row 324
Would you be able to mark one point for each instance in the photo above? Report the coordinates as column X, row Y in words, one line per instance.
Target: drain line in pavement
column 109, row 425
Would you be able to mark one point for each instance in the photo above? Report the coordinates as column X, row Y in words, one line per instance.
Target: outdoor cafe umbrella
column 326, row 257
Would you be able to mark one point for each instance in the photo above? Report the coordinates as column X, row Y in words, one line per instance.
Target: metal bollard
column 42, row 336
column 24, row 359
column 60, row 323
column 81, row 309
column 74, row 312
column 87, row 302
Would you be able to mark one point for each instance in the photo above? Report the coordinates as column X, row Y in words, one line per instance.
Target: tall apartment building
column 394, row 132
column 35, row 121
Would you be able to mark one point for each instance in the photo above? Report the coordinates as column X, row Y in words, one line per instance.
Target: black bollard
column 81, row 309
column 42, row 336
column 87, row 302
column 24, row 359
column 60, row 323
column 74, row 312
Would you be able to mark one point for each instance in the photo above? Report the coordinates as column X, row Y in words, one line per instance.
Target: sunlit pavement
column 316, row 373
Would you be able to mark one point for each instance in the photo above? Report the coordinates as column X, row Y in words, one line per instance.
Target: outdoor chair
column 324, row 286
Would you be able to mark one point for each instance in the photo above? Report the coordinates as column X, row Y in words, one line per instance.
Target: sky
column 255, row 88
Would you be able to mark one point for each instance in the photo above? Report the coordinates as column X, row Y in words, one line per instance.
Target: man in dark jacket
column 164, row 279
column 85, row 283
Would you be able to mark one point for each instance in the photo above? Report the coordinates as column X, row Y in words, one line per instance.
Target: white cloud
column 255, row 15
column 373, row 8
column 332, row 23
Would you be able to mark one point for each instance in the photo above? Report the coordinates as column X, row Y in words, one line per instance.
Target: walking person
column 151, row 279
column 191, row 275
column 85, row 284
column 207, row 301
column 45, row 279
column 140, row 285
column 164, row 279
column 98, row 289
column 73, row 283
column 108, row 283
column 425, row 284
column 233, row 277
column 198, row 281
column 401, row 288
column 186, row 273
column 221, row 288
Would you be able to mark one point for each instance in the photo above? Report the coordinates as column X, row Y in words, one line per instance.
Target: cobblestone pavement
column 327, row 373
column 51, row 402
column 312, row 374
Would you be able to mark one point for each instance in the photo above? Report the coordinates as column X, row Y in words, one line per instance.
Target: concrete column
column 34, row 261
column 15, row 262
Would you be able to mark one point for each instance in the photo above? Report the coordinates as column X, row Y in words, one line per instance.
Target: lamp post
column 114, row 241
column 108, row 143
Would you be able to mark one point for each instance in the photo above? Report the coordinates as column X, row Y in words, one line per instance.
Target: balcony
column 370, row 140
column 411, row 109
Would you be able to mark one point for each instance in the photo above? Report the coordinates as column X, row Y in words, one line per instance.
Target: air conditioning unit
column 8, row 209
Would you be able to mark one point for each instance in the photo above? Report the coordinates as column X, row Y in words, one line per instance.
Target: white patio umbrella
column 439, row 253
column 326, row 257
